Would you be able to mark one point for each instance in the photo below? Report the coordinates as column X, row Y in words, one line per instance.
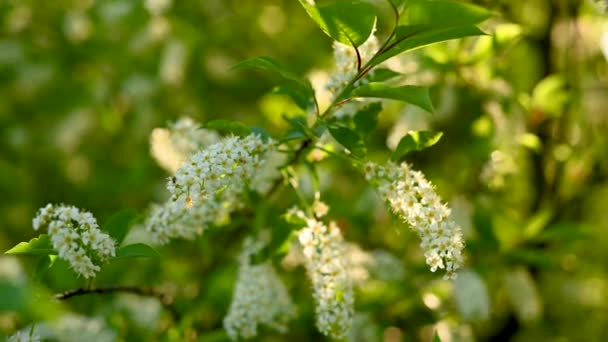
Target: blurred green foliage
column 523, row 161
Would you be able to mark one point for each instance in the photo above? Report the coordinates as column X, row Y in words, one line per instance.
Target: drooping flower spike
column 76, row 237
column 413, row 198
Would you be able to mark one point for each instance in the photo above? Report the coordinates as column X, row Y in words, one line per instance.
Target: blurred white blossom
column 413, row 198
column 260, row 297
column 173, row 62
column 365, row 265
column 77, row 328
column 173, row 146
column 77, row 26
column 498, row 169
column 471, row 296
column 604, row 45
column 76, row 237
column 25, row 335
column 157, row 7
column 364, row 329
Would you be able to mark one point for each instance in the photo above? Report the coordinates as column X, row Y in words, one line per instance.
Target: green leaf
column 299, row 90
column 436, row 337
column 40, row 245
column 565, row 232
column 366, row 118
column 13, row 297
column 442, row 13
column 44, row 264
column 269, row 64
column 382, row 74
column 349, row 139
column 415, row 141
column 301, row 98
column 397, row 3
column 119, row 224
column 537, row 223
column 262, row 132
column 349, row 22
column 227, row 126
column 551, row 95
column 482, row 222
column 415, row 95
column 136, row 250
column 411, row 37
column 298, row 128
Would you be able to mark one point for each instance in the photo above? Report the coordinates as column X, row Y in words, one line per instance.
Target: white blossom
column 323, row 251
column 345, row 58
column 173, row 146
column 260, row 297
column 76, row 237
column 24, row 335
column 157, row 7
column 208, row 187
column 413, row 198
column 76, row 328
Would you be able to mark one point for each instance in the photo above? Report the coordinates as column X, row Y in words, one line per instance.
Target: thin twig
column 165, row 299
column 296, row 157
column 357, row 52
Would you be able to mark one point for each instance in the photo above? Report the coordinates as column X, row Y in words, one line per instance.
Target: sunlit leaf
column 550, row 95
column 415, row 95
column 442, row 13
column 119, row 224
column 415, row 141
column 436, row 337
column 40, row 245
column 366, row 118
column 349, row 22
column 349, row 139
column 136, row 250
column 382, row 74
column 44, row 264
column 410, row 37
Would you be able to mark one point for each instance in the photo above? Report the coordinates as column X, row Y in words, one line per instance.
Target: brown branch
column 296, row 157
column 165, row 299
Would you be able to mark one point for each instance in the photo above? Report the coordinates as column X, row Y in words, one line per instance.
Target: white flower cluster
column 171, row 147
column 499, row 168
column 412, row 197
column 208, row 187
column 260, row 297
column 471, row 296
column 345, row 58
column 76, row 237
column 323, row 249
column 364, row 265
column 24, row 336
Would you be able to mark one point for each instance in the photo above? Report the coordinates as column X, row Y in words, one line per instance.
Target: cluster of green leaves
column 351, row 23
